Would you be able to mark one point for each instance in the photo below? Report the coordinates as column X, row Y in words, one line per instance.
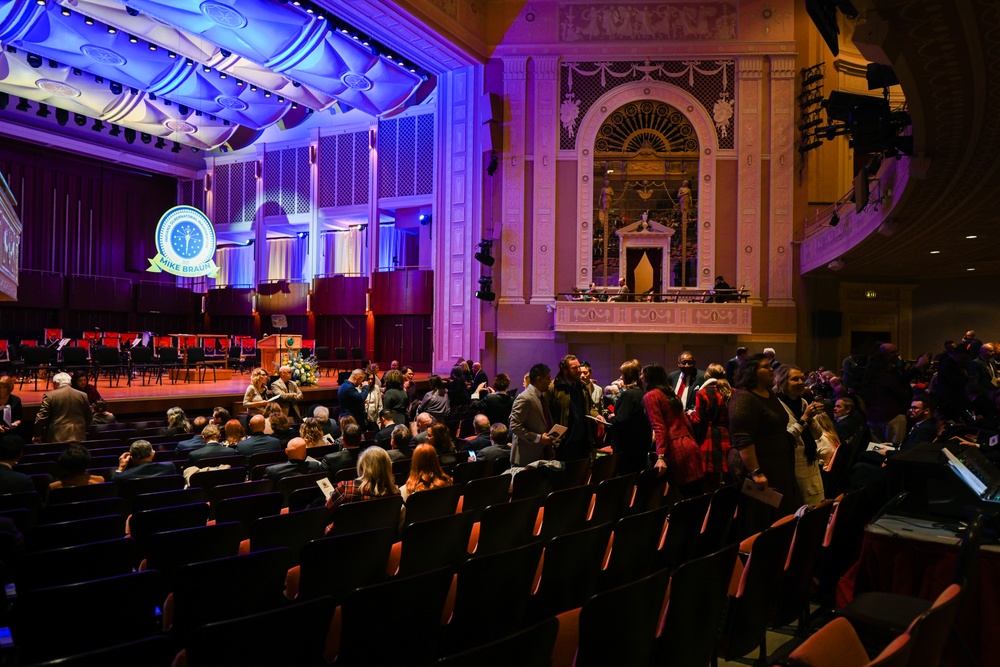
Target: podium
column 274, row 350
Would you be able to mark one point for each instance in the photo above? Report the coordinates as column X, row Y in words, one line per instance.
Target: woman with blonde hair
column 425, row 472
column 255, row 398
column 827, row 442
column 710, row 420
column 311, row 432
column 374, row 480
column 235, row 433
column 790, row 385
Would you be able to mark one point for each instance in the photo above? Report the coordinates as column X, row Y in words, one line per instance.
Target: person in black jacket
column 631, row 433
column 497, row 403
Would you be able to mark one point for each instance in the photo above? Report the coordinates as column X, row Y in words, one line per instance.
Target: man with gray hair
column 137, row 463
column 64, row 414
column 289, row 393
column 322, row 414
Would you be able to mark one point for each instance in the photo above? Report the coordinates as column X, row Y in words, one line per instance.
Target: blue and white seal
column 185, row 244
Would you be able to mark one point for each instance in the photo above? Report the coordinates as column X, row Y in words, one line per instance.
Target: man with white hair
column 64, row 414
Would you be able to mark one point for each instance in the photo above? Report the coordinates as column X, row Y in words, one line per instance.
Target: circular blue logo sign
column 185, row 243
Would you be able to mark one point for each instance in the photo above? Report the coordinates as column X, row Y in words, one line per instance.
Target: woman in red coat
column 677, row 452
column 711, row 420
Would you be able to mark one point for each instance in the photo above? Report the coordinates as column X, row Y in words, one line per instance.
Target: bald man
column 257, row 442
column 298, row 462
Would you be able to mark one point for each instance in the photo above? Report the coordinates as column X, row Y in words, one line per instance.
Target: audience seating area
column 571, row 567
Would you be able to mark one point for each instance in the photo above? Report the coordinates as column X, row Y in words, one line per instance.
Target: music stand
column 279, row 322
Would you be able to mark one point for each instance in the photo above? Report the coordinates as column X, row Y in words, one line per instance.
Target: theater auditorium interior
column 506, row 181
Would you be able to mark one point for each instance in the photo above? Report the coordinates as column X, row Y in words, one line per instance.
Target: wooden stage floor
column 153, row 400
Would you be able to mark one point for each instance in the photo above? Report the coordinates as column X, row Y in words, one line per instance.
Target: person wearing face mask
column 789, row 385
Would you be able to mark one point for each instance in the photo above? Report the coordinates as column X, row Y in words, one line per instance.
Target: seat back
column 293, row 530
column 619, row 626
column 168, row 355
column 70, row 565
column 683, row 529
column 140, row 355
column 803, row 560
column 531, row 647
column 72, row 533
column 226, row 588
column 73, row 494
column 435, row 543
column 247, row 509
column 367, row 515
column 75, row 356
column 612, row 498
column 224, row 642
column 690, row 627
column 88, row 615
column 171, row 550
column 930, row 631
column 432, row 504
column 287, row 485
column 82, row 509
column 496, row 587
column 570, row 573
column 565, row 511
column 413, row 642
column 158, row 499
column 506, row 526
column 206, row 479
column 836, row 644
column 633, row 550
column 478, row 494
column 604, row 468
column 466, row 472
column 220, row 492
column 147, row 522
column 369, row 555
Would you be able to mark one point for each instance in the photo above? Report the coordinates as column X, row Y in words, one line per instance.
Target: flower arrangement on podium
column 305, row 370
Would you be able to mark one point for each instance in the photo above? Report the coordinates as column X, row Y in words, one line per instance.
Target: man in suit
column 196, row 441
column 733, row 364
column 481, row 424
column 478, row 376
column 569, row 405
column 497, row 403
column 981, row 370
column 418, row 429
column 299, row 463
column 386, row 426
column 530, row 419
column 289, row 392
column 321, row 414
column 400, row 443
column 499, row 449
column 64, row 414
column 348, row 456
column 257, row 442
column 137, row 463
column 11, row 449
column 212, row 447
column 924, row 428
column 686, row 380
column 847, row 420
column 352, row 395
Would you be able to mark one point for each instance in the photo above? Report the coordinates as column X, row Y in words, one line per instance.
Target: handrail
column 670, row 296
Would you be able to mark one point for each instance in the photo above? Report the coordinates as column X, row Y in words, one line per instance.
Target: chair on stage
column 38, row 361
column 323, row 360
column 170, row 360
column 108, row 361
column 357, row 355
column 235, row 359
column 76, row 359
column 339, row 355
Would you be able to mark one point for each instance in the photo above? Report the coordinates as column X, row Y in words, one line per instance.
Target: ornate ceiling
column 200, row 73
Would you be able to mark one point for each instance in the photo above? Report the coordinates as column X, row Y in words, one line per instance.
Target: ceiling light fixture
column 935, row 252
column 133, row 39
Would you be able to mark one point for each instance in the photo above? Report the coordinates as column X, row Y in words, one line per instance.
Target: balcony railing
column 680, row 311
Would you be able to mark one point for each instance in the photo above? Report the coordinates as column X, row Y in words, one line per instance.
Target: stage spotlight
column 176, row 148
column 133, row 39
column 115, row 131
column 98, row 126
column 66, row 11
column 131, row 11
column 34, row 60
column 23, row 105
column 79, row 119
column 62, row 116
column 160, row 143
column 43, row 110
column 484, row 255
column 424, row 219
column 129, row 136
column 485, row 291
column 493, row 165
column 4, row 100
column 145, row 138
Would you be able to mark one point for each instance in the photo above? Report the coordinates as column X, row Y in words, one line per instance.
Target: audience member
column 282, row 430
column 288, row 393
column 137, row 462
column 595, row 390
column 11, row 411
column 496, row 404
column 64, row 414
column 440, row 438
column 74, row 462
column 258, row 442
column 789, row 385
column 479, row 377
column 530, row 420
column 257, row 394
column 629, row 428
column 234, row 432
column 312, row 433
column 196, row 441
column 710, row 420
column 425, row 472
column 81, row 382
column 828, row 441
column 334, row 462
column 212, row 446
column 400, row 443
column 177, row 422
column 436, row 401
column 418, row 429
column 11, row 450
column 677, row 453
column 499, row 449
column 733, row 364
column 101, row 414
column 299, row 463
column 481, row 439
column 395, row 399
column 386, row 426
column 219, row 417
column 374, row 481
column 686, row 380
column 352, row 394
column 329, row 427
column 848, row 420
column 569, row 405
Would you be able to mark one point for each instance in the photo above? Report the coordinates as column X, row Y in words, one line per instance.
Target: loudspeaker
column 491, row 137
column 828, row 323
column 491, row 109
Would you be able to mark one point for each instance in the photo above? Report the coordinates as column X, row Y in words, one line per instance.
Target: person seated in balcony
column 722, row 292
column 74, row 462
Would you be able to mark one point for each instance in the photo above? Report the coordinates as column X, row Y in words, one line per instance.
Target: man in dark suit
column 348, row 456
column 196, row 441
column 924, row 428
column 257, row 442
column 847, row 420
column 400, row 443
column 496, row 404
column 212, row 447
column 386, row 426
column 499, row 449
column 299, row 463
column 331, row 428
column 530, row 419
column 482, row 438
column 137, row 463
column 11, row 449
column 686, row 380
column 981, row 369
column 478, row 376
column 733, row 364
column 64, row 414
column 352, row 395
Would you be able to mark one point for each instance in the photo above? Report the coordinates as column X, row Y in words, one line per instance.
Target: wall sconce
column 208, row 182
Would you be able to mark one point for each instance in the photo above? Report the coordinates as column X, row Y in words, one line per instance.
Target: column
column 543, row 205
column 779, row 279
column 748, row 122
column 512, row 161
column 457, row 223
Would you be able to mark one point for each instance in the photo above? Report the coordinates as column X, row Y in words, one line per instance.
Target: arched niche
column 586, row 137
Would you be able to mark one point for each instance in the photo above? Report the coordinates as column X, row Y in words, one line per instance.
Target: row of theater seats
column 240, row 582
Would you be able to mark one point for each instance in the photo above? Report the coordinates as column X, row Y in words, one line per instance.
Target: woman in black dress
column 763, row 450
column 631, row 434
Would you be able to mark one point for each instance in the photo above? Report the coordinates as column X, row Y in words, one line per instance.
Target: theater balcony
column 672, row 313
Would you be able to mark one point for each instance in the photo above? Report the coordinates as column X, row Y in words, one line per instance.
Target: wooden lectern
column 275, row 349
